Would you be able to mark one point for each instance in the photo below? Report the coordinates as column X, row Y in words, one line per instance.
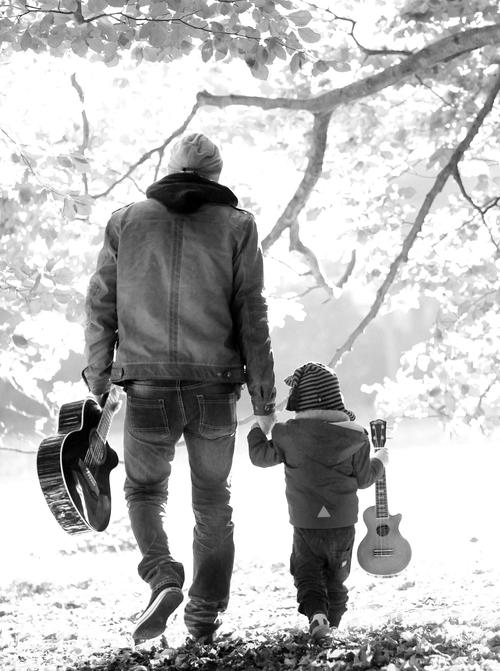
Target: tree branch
column 408, row 242
column 480, row 210
column 348, row 271
column 85, row 127
column 311, row 175
column 289, row 217
column 444, row 49
column 150, row 153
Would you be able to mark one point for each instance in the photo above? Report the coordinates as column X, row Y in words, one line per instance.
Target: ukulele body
column 383, row 551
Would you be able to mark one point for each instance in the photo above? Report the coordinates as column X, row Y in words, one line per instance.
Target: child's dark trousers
column 320, row 563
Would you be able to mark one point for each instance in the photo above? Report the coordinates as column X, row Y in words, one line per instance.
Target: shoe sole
column 153, row 621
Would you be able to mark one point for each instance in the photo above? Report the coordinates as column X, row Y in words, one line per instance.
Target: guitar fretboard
column 97, row 451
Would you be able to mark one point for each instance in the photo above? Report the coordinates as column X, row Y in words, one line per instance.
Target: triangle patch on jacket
column 323, row 512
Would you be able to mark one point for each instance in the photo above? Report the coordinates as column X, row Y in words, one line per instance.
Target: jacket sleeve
column 366, row 470
column 101, row 326
column 263, row 452
column 251, row 324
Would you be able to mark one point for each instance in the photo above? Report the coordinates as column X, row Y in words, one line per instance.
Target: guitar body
column 383, row 551
column 75, row 486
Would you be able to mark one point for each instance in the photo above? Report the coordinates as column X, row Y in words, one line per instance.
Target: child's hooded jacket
column 327, row 459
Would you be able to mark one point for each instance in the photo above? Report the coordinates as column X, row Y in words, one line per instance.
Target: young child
column 327, row 459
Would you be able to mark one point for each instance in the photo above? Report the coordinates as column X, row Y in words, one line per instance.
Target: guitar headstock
column 378, row 429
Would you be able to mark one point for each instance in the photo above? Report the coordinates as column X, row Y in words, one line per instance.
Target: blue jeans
column 320, row 563
column 158, row 413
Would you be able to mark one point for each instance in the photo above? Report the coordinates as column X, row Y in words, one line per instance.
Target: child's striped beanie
column 315, row 386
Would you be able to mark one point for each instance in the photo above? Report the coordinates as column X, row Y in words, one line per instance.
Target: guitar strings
column 97, row 450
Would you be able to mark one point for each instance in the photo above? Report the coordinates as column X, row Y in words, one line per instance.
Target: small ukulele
column 74, row 465
column 383, row 551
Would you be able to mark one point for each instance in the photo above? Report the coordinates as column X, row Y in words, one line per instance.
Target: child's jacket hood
column 187, row 192
column 327, row 441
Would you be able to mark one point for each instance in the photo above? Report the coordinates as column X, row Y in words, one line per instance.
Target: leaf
column 340, row 66
column 80, row 162
column 301, row 17
column 79, row 47
column 158, row 8
column 19, row 340
column 260, row 72
column 158, row 35
column 96, row 6
column 320, row 67
column 296, row 62
column 64, row 161
column 407, row 192
column 26, row 41
column 207, row 50
column 69, row 208
column 309, row 35
column 56, row 36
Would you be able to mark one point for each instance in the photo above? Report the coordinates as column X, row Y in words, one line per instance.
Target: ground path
column 69, row 602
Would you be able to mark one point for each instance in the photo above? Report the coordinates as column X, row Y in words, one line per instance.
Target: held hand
column 382, row 454
column 266, row 422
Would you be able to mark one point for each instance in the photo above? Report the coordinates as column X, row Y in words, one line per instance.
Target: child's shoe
column 319, row 627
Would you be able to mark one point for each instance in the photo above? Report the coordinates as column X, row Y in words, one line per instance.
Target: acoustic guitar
column 383, row 551
column 74, row 465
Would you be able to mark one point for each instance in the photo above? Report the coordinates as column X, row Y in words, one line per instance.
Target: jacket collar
column 187, row 192
column 321, row 413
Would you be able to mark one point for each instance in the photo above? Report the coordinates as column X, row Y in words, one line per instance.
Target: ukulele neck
column 381, row 504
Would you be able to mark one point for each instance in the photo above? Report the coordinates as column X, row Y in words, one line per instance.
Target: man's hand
column 266, row 422
column 382, row 454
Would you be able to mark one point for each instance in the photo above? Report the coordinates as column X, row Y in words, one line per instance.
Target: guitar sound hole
column 383, row 530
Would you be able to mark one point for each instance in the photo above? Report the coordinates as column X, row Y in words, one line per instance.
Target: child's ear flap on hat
column 291, row 403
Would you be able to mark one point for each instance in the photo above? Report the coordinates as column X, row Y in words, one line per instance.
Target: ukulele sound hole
column 383, row 530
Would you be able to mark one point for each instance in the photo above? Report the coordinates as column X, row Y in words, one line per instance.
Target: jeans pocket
column 147, row 415
column 217, row 415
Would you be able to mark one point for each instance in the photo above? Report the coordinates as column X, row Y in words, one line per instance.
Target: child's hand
column 266, row 422
column 382, row 454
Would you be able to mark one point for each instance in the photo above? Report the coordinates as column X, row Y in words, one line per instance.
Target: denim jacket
column 178, row 294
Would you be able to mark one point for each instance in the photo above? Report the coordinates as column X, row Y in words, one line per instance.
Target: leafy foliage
column 101, row 135
column 259, row 32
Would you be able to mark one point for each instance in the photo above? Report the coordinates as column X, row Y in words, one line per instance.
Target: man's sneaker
column 319, row 628
column 153, row 620
column 201, row 619
column 204, row 635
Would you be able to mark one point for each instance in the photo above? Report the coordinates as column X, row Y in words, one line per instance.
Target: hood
column 324, row 441
column 187, row 192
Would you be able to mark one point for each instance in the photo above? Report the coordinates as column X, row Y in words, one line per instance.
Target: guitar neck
column 108, row 411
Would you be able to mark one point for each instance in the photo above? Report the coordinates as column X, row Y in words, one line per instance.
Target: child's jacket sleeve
column 366, row 470
column 263, row 452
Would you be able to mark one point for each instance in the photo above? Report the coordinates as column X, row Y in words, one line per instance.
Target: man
column 176, row 314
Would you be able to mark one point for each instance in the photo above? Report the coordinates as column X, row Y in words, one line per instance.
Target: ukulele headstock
column 378, row 429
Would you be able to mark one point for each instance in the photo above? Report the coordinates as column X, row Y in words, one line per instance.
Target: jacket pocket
column 147, row 415
column 217, row 415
